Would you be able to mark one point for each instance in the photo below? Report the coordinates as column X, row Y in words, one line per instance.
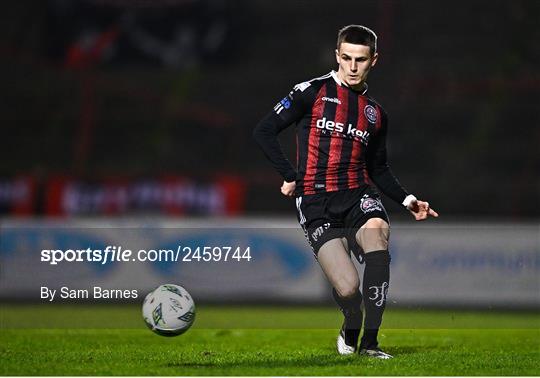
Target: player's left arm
column 381, row 174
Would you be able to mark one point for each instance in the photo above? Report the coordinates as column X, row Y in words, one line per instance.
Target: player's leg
column 343, row 276
column 338, row 268
column 324, row 233
column 372, row 237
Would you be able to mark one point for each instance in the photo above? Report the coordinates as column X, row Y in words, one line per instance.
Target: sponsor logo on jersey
column 331, row 99
column 348, row 130
column 368, row 204
column 370, row 113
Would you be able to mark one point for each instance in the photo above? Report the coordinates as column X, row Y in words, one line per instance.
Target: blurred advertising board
column 17, row 195
column 163, row 195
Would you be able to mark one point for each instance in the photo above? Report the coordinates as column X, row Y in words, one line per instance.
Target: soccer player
column 341, row 161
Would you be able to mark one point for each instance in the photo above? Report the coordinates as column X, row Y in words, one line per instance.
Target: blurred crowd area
column 147, row 106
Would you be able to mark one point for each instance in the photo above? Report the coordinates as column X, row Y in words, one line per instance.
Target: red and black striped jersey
column 341, row 139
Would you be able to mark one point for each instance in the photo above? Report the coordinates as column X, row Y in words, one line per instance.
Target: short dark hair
column 358, row 35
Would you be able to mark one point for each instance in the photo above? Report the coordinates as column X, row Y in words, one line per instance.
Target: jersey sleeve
column 286, row 112
column 378, row 168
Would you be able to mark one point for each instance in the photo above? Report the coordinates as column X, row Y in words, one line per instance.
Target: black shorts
column 332, row 215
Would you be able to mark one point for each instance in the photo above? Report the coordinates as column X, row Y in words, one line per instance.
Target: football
column 169, row 310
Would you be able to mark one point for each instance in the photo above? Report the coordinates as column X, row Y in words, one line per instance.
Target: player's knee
column 375, row 223
column 373, row 235
column 346, row 292
column 347, row 288
column 373, row 229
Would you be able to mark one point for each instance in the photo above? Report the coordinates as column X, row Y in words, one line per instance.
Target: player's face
column 354, row 61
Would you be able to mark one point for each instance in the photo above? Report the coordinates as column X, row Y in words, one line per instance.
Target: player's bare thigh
column 338, row 268
column 373, row 235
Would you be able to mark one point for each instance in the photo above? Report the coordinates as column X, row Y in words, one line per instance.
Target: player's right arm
column 288, row 111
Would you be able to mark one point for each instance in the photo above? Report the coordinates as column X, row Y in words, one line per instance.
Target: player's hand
column 421, row 210
column 288, row 188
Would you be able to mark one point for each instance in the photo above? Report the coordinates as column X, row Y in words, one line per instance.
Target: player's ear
column 337, row 56
column 374, row 59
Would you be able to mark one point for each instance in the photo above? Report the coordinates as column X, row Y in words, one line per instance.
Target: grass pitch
column 71, row 340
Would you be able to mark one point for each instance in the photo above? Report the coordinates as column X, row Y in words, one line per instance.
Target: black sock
column 374, row 288
column 350, row 307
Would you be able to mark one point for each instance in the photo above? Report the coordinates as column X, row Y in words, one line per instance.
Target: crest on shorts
column 371, row 113
column 368, row 204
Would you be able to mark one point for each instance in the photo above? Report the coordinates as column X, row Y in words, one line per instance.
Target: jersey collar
column 336, row 79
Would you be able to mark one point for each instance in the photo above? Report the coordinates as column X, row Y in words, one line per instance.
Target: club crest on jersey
column 370, row 113
column 368, row 204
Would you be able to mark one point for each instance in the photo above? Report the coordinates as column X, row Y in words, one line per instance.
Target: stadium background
column 129, row 122
column 111, row 92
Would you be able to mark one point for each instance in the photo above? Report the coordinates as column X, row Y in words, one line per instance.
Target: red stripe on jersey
column 355, row 166
column 313, row 142
column 336, row 141
column 353, row 173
